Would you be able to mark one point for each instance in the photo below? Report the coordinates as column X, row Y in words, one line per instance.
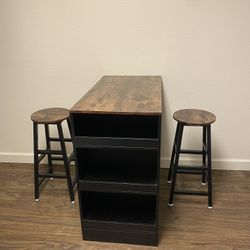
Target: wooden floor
column 54, row 222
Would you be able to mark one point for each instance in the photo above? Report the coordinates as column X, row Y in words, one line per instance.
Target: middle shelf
column 117, row 165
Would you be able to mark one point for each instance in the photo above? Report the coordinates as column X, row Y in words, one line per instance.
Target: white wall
column 53, row 51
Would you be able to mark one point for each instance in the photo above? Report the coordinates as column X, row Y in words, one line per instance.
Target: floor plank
column 54, row 222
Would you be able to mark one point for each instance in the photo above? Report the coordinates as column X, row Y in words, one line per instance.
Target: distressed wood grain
column 50, row 115
column 194, row 117
column 123, row 95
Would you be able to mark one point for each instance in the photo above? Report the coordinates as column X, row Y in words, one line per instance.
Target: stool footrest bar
column 51, row 152
column 202, row 193
column 191, row 151
column 52, row 175
column 190, row 170
column 57, row 139
column 56, row 158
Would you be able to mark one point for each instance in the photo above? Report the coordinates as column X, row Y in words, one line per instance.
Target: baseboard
column 223, row 164
column 16, row 157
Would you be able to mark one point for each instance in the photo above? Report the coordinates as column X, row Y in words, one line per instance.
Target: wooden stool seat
column 50, row 115
column 194, row 117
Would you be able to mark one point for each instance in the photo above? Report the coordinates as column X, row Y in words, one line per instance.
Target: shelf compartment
column 117, row 165
column 114, row 125
column 118, row 207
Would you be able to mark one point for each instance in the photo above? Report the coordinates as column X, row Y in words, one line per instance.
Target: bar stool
column 47, row 117
column 192, row 117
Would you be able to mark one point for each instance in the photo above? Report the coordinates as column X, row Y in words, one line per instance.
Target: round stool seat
column 194, row 117
column 50, row 115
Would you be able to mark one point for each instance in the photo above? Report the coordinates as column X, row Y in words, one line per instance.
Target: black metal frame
column 53, row 155
column 204, row 170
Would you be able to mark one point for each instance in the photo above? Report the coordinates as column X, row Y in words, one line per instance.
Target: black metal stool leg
column 204, row 154
column 173, row 154
column 69, row 126
column 209, row 167
column 176, row 162
column 48, row 147
column 66, row 163
column 36, row 161
column 72, row 156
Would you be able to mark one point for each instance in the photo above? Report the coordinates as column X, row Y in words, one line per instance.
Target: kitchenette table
column 116, row 131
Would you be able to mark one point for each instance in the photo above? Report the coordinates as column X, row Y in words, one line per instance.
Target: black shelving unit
column 118, row 159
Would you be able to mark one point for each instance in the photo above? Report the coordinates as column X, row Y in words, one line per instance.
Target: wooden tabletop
column 140, row 95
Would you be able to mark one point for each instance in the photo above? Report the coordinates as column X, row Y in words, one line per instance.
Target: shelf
column 124, row 126
column 118, row 226
column 108, row 142
column 118, row 186
column 122, row 207
column 131, row 237
column 117, row 165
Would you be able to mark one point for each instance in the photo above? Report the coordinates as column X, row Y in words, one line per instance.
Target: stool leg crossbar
column 53, row 155
column 204, row 170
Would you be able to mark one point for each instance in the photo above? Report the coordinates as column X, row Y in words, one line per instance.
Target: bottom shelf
column 119, row 217
column 118, row 207
column 142, row 238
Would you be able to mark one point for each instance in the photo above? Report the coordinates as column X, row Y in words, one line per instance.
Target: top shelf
column 117, row 126
column 129, row 95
